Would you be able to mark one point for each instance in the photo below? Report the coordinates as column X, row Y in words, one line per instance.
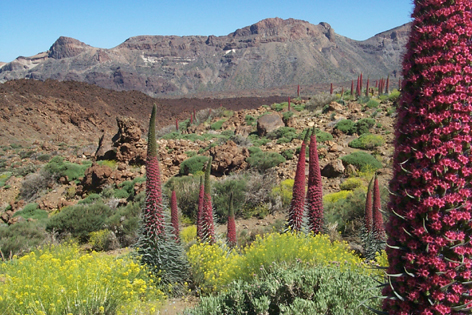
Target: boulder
column 228, row 158
column 96, row 178
column 269, row 123
column 333, row 169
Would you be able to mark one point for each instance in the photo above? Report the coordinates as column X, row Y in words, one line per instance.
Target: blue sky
column 30, row 27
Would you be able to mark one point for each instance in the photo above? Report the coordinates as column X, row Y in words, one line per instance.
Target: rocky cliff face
column 271, row 53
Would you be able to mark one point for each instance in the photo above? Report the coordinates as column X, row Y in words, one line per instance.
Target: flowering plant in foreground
column 62, row 280
column 429, row 230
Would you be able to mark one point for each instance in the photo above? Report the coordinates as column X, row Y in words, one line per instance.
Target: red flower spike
column 368, row 210
column 176, row 124
column 298, row 90
column 428, row 231
column 289, row 108
column 207, row 221
column 315, row 188
column 352, row 87
column 174, row 214
column 153, row 217
column 360, row 84
column 386, row 85
column 200, row 210
column 331, row 89
column 231, row 228
column 378, row 227
column 367, row 87
column 297, row 205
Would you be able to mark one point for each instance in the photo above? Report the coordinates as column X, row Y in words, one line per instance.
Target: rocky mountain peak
column 66, row 47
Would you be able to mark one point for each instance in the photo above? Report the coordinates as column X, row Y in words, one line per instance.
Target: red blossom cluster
column 231, row 227
column 200, row 210
column 429, row 231
column 297, row 205
column 315, row 188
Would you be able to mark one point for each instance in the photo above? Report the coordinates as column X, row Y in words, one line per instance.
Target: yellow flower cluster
column 62, row 280
column 188, row 234
column 215, row 267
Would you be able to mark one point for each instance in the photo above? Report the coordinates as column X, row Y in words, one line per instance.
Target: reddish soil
column 23, row 102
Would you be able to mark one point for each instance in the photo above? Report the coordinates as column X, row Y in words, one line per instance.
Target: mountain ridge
column 269, row 54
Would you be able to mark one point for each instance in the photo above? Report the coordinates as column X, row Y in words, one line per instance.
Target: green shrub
column 299, row 108
column 279, row 107
column 346, row 126
column 4, row 177
column 322, row 136
column 288, row 154
column 217, row 125
column 284, row 190
column 262, row 161
column 363, row 125
column 295, row 289
column 193, row 165
column 222, row 189
column 59, row 167
column 283, row 132
column 362, row 160
column 250, row 120
column 191, row 153
column 21, row 237
column 394, row 95
column 347, row 213
column 287, row 116
column 32, row 211
column 187, row 189
column 383, row 98
column 214, row 267
column 363, row 99
column 110, row 163
column 254, row 150
column 372, row 104
column 90, row 199
column 367, row 141
column 44, row 157
column 125, row 221
column 80, row 220
column 351, row 183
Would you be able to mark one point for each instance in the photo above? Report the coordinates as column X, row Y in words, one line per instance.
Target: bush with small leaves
column 372, row 104
column 363, row 125
column 362, row 160
column 21, row 237
column 193, row 165
column 346, row 126
column 262, row 161
column 367, row 141
column 31, row 211
column 80, row 220
column 294, row 289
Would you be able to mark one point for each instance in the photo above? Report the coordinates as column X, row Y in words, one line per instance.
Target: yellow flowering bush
column 336, row 196
column 188, row 234
column 214, row 267
column 62, row 280
column 284, row 190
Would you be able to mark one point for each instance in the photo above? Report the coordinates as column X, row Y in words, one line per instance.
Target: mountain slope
column 266, row 55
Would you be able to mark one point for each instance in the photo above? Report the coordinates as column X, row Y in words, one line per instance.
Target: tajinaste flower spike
column 231, row 228
column 176, row 124
column 174, row 215
column 297, row 205
column 331, row 89
column 352, row 87
column 378, row 227
column 153, row 217
column 200, row 210
column 289, row 108
column 429, row 227
column 208, row 226
column 315, row 188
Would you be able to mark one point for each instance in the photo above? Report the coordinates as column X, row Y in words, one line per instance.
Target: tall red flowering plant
column 153, row 217
column 174, row 214
column 207, row 222
column 297, row 205
column 200, row 210
column 231, row 227
column 429, row 229
column 315, row 188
